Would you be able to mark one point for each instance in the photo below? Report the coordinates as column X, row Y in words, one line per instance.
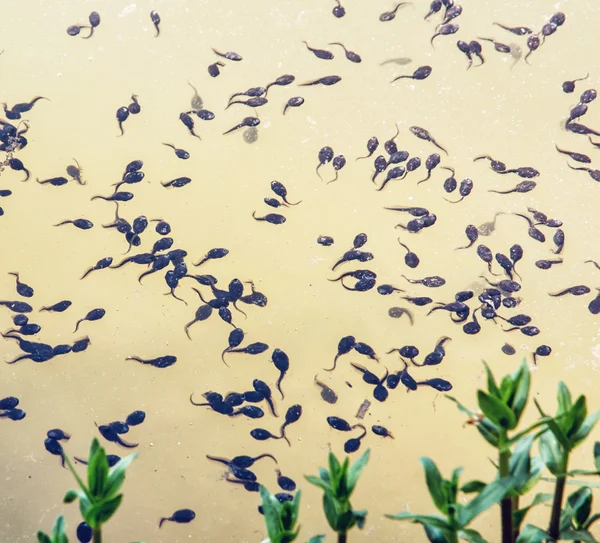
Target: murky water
column 512, row 113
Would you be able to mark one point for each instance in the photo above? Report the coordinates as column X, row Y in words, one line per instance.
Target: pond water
column 505, row 108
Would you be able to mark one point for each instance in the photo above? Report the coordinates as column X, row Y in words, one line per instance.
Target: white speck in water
column 127, row 10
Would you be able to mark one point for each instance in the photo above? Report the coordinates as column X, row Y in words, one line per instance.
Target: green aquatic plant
column 99, row 499
column 338, row 484
column 501, row 407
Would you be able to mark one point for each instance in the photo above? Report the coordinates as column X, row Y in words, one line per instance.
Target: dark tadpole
column 440, row 385
column 122, row 115
column 58, row 307
column 134, row 108
column 410, row 258
column 256, row 101
column 431, row 163
column 594, row 305
column 282, row 362
column 387, row 16
column 397, row 312
column 521, row 188
column 327, row 394
column 578, row 290
column 188, row 122
column 177, row 183
column 246, row 121
column 350, row 55
column 353, row 444
column 326, row 241
column 498, row 46
column 271, row 218
column 326, row 81
column 279, row 189
column 229, row 55
column 434, row 7
column 338, row 163
column 181, row 516
column 345, row 345
column 180, row 153
column 74, row 30
column 281, row 81
column 372, row 146
column 213, row 254
column 319, row 53
column 18, row 166
column 160, row 362
column 472, row 235
column 517, row 30
column 423, row 72
column 325, row 156
column 578, row 157
column 155, row 18
column 82, row 224
column 382, row 431
column 93, row 315
column 338, row 11
column 295, row 101
column 569, row 86
column 542, row 350
column 547, row 264
column 22, row 289
column 431, row 282
column 594, row 174
column 445, row 30
column 213, row 69
column 423, row 134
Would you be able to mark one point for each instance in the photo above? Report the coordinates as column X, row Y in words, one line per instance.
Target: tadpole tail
column 22, row 357
column 186, row 330
column 400, row 77
column 426, row 179
column 62, row 223
column 278, row 384
column 334, row 363
column 90, row 34
column 82, row 277
column 272, row 407
column 121, row 128
column 561, row 293
column 77, row 325
column 143, row 274
column 300, row 201
column 433, row 38
column 202, row 261
column 84, row 462
column 164, row 518
column 317, row 170
column 218, row 459
column 340, row 261
column 283, row 434
column 383, row 185
column 236, row 307
column 438, row 146
column 223, row 356
column 172, row 293
column 502, row 191
column 197, row 404
column 126, row 444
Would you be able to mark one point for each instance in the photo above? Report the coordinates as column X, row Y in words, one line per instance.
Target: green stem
column 506, row 505
column 342, row 537
column 559, row 491
column 97, row 535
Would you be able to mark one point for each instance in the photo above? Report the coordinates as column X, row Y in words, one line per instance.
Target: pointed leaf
column 489, row 431
column 94, row 446
column 356, row 469
column 317, row 539
column 271, row 515
column 296, row 507
column 564, row 398
column 491, row 382
column 70, row 496
column 586, row 428
column 431, row 520
column 334, row 471
column 435, row 535
column 360, row 517
column 532, row 534
column 580, row 505
column 471, row 535
column 591, row 520
column 102, row 511
column 519, row 514
column 331, row 512
column 318, row 482
column 521, row 395
column 43, row 538
column 58, row 531
column 117, row 476
column 84, row 507
column 324, row 475
column 460, row 406
column 495, row 410
column 579, row 411
column 473, row 486
column 577, row 535
column 342, row 488
column 97, row 473
column 434, row 484
column 550, row 452
column 490, row 495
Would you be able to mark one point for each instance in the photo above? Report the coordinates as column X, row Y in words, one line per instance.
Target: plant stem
column 97, row 533
column 342, row 537
column 559, row 491
column 506, row 505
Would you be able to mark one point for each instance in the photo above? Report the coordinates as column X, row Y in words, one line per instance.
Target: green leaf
column 519, row 514
column 460, row 406
column 507, row 389
column 435, row 535
column 542, row 422
column 521, row 395
column 94, row 446
column 331, row 512
column 101, row 512
column 491, row 382
column 317, row 539
column 58, row 531
column 430, row 520
column 579, row 507
column 360, row 518
column 342, row 488
column 489, row 431
column 579, row 411
column 70, row 496
column 473, row 486
column 597, row 455
column 586, row 428
column 577, row 535
column 117, row 476
column 295, row 508
column 355, row 470
column 271, row 514
column 551, row 453
column 532, row 534
column 434, row 484
column 471, row 535
column 564, row 398
column 324, row 475
column 43, row 538
column 84, row 507
column 591, row 520
column 495, row 410
column 334, row 470
column 318, row 482
column 491, row 494
column 97, row 473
